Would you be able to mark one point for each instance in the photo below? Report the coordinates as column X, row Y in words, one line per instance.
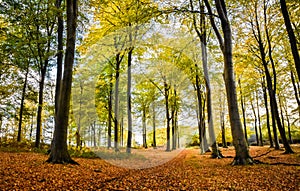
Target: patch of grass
column 82, row 152
column 23, row 146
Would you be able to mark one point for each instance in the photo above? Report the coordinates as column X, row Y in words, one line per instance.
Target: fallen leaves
column 187, row 171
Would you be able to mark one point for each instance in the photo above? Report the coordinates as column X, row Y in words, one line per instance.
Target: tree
column 239, row 141
column 292, row 38
column 203, row 38
column 59, row 150
column 271, row 87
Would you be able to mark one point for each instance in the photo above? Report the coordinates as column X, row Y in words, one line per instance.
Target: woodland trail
column 187, row 171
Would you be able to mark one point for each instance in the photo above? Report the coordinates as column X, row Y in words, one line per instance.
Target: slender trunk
column 173, row 120
column 203, row 130
column 176, row 130
column 116, row 130
column 213, row 143
column 287, row 147
column 78, row 137
column 292, row 38
column 40, row 108
column 267, row 113
column 22, row 105
column 268, row 77
column 122, row 131
column 255, row 124
column 144, row 127
column 243, row 111
column 109, row 124
column 259, row 123
column 129, row 116
column 167, row 88
column 154, row 124
column 224, row 143
column 94, row 133
column 200, row 114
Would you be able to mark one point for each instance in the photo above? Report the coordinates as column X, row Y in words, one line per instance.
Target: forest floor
column 188, row 170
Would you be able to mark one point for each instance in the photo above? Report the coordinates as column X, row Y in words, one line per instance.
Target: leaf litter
column 187, row 171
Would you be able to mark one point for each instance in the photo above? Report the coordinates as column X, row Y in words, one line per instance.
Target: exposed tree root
column 242, row 161
column 61, row 159
column 217, row 155
column 277, row 163
column 263, row 154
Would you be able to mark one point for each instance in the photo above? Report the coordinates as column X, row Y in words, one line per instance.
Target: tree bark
column 109, row 112
column 116, row 130
column 60, row 29
column 259, row 122
column 239, row 142
column 59, row 151
column 129, row 116
column 144, row 127
column 19, row 138
column 166, row 94
column 255, row 124
column 154, row 124
column 40, row 106
column 292, row 38
column 267, row 113
column 243, row 111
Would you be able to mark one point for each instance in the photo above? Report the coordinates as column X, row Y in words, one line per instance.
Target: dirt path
column 187, row 171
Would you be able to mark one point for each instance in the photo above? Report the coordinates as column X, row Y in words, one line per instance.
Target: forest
column 149, row 94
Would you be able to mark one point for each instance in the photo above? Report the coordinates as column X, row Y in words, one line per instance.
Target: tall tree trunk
column 22, row 105
column 239, row 141
column 144, row 127
column 292, row 38
column 224, row 143
column 116, row 110
column 222, row 122
column 271, row 89
column 94, row 133
column 59, row 151
column 173, row 122
column 129, row 116
column 255, row 123
column 109, row 124
column 154, row 124
column 122, row 131
column 40, row 107
column 215, row 152
column 243, row 111
column 166, row 93
column 201, row 129
column 60, row 30
column 267, row 113
column 78, row 136
column 258, row 38
column 259, row 123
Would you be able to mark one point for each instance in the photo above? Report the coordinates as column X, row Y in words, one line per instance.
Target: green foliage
column 84, row 152
column 11, row 145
